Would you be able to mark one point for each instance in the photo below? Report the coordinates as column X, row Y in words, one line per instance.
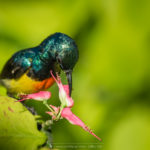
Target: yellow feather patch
column 26, row 85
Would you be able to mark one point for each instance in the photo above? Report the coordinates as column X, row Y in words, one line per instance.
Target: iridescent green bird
column 28, row 71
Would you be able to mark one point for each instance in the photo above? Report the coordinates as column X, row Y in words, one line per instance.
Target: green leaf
column 18, row 128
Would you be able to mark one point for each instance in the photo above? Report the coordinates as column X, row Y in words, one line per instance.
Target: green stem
column 46, row 104
column 59, row 114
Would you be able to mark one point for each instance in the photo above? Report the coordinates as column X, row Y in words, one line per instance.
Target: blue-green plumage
column 57, row 52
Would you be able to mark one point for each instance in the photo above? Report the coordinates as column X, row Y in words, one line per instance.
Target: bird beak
column 69, row 78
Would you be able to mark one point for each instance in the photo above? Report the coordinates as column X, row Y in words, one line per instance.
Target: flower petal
column 51, row 114
column 73, row 119
column 64, row 97
column 56, row 109
column 40, row 96
column 66, row 88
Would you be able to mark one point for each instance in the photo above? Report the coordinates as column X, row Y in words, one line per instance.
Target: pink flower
column 72, row 118
column 40, row 96
column 65, row 109
column 66, row 100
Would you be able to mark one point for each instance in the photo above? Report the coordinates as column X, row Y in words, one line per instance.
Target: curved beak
column 69, row 78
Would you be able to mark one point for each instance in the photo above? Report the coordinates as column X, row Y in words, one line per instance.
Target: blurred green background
column 111, row 80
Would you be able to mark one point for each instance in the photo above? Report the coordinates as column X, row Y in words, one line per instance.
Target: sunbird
column 28, row 70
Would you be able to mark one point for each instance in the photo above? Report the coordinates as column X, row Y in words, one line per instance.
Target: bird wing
column 17, row 65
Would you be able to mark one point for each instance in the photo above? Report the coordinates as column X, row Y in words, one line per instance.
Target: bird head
column 65, row 53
